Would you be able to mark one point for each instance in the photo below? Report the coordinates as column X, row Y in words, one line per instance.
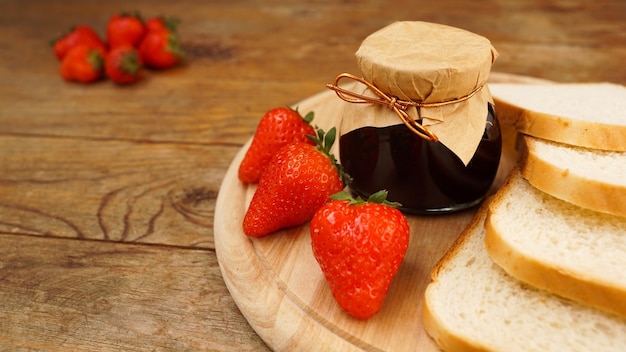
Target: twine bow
column 396, row 105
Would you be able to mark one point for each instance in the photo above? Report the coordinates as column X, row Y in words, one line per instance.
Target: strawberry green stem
column 324, row 142
column 379, row 197
column 173, row 45
column 95, row 59
column 130, row 63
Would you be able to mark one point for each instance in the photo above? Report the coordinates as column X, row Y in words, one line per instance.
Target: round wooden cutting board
column 279, row 288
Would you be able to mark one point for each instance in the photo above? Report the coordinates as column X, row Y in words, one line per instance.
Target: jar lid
column 432, row 63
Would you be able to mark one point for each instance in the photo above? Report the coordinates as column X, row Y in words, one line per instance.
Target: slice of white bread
column 557, row 246
column 589, row 178
column 591, row 115
column 473, row 305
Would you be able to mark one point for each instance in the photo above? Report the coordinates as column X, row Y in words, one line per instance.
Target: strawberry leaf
column 170, row 23
column 95, row 59
column 174, row 46
column 324, row 142
column 309, row 117
column 342, row 195
column 379, row 197
column 329, row 140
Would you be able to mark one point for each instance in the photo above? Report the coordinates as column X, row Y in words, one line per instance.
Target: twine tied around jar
column 398, row 106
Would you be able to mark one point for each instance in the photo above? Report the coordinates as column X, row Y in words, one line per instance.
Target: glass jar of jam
column 455, row 169
column 424, row 176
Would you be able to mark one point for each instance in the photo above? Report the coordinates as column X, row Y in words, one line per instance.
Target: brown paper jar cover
column 430, row 63
column 440, row 73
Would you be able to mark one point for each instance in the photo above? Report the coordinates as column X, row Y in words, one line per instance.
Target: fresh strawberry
column 298, row 180
column 125, row 29
column 78, row 35
column 83, row 64
column 160, row 48
column 123, row 65
column 359, row 246
column 277, row 128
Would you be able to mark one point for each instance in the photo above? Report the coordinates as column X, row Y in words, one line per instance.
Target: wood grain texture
column 90, row 170
column 58, row 295
column 110, row 190
column 244, row 58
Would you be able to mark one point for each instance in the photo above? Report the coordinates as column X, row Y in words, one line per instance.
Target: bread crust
column 558, row 280
column 569, row 186
column 436, row 328
column 562, row 129
column 446, row 339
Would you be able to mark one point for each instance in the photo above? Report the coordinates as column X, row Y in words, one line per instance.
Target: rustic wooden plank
column 240, row 62
column 67, row 295
column 111, row 190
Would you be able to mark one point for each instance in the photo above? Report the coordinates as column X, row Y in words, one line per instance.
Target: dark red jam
column 424, row 176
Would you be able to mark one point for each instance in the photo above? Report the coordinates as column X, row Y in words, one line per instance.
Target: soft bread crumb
column 599, row 165
column 475, row 301
column 581, row 241
column 591, row 115
column 599, row 102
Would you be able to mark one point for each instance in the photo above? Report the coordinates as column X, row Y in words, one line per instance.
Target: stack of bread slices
column 542, row 267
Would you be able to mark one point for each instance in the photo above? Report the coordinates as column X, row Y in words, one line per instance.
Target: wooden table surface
column 107, row 193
